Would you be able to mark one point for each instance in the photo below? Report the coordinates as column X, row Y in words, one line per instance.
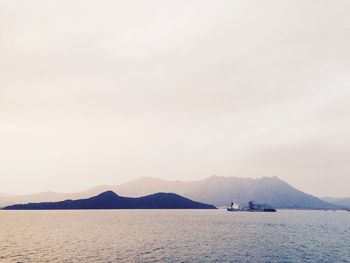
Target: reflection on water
column 174, row 236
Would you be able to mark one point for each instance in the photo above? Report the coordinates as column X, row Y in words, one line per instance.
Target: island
column 110, row 200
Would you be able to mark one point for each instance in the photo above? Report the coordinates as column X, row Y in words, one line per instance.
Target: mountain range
column 110, row 200
column 220, row 191
column 216, row 190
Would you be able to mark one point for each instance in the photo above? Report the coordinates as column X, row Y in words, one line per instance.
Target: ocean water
column 174, row 236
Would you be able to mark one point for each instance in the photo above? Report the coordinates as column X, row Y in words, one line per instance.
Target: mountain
column 344, row 202
column 110, row 200
column 220, row 191
column 216, row 190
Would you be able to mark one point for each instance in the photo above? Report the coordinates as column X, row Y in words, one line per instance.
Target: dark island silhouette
column 110, row 200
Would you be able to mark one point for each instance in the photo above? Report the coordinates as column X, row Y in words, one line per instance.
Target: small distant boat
column 234, row 207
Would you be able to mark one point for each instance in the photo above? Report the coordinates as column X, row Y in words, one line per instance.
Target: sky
column 104, row 92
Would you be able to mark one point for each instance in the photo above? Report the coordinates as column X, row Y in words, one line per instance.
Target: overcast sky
column 103, row 92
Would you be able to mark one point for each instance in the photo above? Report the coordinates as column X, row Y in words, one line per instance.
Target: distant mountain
column 220, row 191
column 344, row 202
column 110, row 200
column 216, row 190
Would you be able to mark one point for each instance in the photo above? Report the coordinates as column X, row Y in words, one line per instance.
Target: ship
column 252, row 207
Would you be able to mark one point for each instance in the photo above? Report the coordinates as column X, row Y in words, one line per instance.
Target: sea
column 174, row 236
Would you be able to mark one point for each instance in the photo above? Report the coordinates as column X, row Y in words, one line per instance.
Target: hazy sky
column 102, row 92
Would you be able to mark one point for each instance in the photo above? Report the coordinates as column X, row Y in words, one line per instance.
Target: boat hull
column 251, row 210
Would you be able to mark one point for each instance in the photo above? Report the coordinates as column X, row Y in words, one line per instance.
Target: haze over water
column 174, row 236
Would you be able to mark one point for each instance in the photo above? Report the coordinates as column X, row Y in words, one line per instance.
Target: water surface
column 174, row 236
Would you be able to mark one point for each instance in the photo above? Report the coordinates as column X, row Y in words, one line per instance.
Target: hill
column 110, row 200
